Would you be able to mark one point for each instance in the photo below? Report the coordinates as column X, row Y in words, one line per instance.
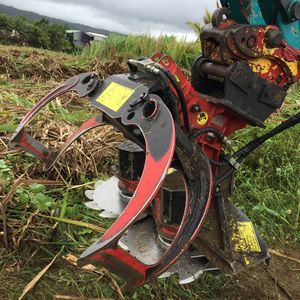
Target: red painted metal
column 230, row 122
column 279, row 65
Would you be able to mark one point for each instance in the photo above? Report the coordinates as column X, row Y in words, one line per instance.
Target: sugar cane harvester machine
column 171, row 195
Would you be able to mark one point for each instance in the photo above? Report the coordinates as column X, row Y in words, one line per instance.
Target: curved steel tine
column 84, row 128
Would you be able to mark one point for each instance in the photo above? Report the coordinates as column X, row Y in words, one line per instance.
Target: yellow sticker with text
column 244, row 238
column 202, row 118
column 115, row 96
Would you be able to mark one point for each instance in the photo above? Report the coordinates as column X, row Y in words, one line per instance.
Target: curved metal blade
column 142, row 239
column 106, row 197
column 143, row 242
column 198, row 180
column 156, row 124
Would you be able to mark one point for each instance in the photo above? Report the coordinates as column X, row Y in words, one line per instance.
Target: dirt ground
column 280, row 280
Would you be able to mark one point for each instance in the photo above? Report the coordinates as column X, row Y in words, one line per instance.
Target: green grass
column 268, row 185
column 267, row 188
column 131, row 46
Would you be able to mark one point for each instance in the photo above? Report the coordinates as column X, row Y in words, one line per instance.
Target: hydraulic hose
column 253, row 145
column 212, row 130
column 180, row 94
column 173, row 104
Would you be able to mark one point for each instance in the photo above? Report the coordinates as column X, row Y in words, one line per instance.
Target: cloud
column 127, row 16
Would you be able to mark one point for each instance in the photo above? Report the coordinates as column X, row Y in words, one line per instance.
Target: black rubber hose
column 216, row 132
column 253, row 145
column 173, row 104
column 180, row 94
column 225, row 176
column 245, row 151
column 218, row 163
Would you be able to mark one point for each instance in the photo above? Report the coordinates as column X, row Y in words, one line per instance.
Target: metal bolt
column 275, row 38
column 137, row 131
column 196, row 108
column 92, row 81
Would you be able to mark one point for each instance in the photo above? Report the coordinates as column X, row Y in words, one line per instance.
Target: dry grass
column 29, row 74
column 41, row 65
column 90, row 156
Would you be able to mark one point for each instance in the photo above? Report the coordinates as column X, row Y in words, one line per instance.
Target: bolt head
column 275, row 38
column 196, row 108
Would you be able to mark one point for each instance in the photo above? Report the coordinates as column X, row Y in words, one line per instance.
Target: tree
column 38, row 37
column 6, row 28
column 22, row 30
column 58, row 39
column 40, row 34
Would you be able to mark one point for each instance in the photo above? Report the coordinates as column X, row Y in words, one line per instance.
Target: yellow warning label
column 115, row 96
column 202, row 118
column 177, row 78
column 244, row 238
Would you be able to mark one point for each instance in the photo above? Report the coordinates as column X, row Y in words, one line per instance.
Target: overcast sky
column 126, row 16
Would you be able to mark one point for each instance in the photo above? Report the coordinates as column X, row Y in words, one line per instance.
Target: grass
column 267, row 187
column 131, row 46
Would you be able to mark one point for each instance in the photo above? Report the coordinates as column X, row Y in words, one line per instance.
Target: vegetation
column 43, row 214
column 198, row 26
column 40, row 34
column 132, row 46
column 266, row 186
column 46, row 35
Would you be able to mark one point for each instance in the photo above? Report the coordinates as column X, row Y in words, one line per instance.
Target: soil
column 280, row 280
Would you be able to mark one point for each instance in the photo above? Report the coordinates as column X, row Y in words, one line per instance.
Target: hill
column 31, row 16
